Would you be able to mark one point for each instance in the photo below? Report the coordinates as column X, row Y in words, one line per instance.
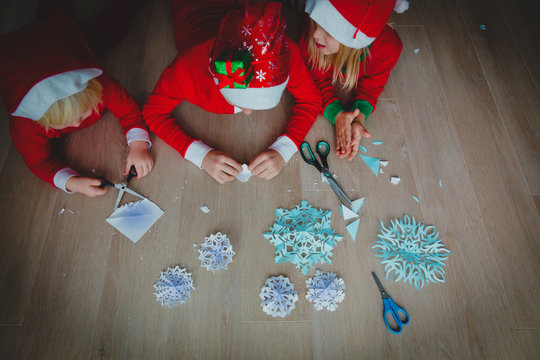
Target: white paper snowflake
column 303, row 236
column 278, row 296
column 325, row 290
column 411, row 251
column 261, row 75
column 173, row 287
column 246, row 30
column 216, row 252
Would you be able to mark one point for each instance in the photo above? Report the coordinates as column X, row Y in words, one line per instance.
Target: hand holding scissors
column 123, row 187
column 323, row 149
column 390, row 307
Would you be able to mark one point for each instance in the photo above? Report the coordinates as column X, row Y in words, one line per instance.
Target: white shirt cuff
column 196, row 152
column 138, row 134
column 62, row 176
column 285, row 147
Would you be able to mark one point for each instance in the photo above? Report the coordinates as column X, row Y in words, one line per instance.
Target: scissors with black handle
column 323, row 149
column 122, row 187
column 390, row 307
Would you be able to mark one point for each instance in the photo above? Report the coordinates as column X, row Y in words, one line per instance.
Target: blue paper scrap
column 347, row 213
column 377, row 142
column 415, row 198
column 483, row 27
column 373, row 163
column 357, row 205
column 363, row 148
column 352, row 228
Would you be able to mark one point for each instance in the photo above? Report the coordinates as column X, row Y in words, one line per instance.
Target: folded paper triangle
column 356, row 205
column 372, row 162
column 347, row 213
column 352, row 228
column 134, row 219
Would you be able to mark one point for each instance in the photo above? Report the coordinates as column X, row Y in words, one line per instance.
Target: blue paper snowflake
column 173, row 287
column 216, row 252
column 303, row 236
column 411, row 251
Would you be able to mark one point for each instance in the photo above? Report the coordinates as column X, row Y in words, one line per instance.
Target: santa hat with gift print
column 354, row 23
column 250, row 58
column 42, row 64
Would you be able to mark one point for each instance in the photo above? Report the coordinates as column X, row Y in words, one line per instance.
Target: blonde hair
column 65, row 111
column 346, row 58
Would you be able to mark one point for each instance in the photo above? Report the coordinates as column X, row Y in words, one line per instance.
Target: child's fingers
column 233, row 164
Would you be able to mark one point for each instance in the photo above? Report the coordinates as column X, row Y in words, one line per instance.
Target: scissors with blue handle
column 323, row 149
column 390, row 307
column 122, row 187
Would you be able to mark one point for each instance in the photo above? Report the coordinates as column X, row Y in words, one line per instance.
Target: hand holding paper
column 86, row 186
column 267, row 164
column 221, row 166
column 139, row 157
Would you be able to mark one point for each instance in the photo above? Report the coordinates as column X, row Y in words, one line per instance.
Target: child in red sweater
column 52, row 85
column 246, row 67
column 348, row 44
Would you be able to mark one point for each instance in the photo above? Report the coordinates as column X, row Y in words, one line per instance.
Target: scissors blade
column 379, row 285
column 121, row 189
column 338, row 190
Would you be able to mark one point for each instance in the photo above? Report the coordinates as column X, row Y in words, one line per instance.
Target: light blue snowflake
column 411, row 251
column 303, row 236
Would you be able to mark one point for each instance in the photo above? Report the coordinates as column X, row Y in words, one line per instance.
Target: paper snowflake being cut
column 216, row 252
column 278, row 296
column 173, row 287
column 411, row 251
column 303, row 236
column 325, row 290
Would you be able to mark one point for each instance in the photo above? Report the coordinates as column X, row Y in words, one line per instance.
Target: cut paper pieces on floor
column 352, row 228
column 173, row 287
column 440, row 183
column 381, row 171
column 325, row 180
column 245, row 174
column 325, row 290
column 383, row 162
column 411, row 251
column 357, row 204
column 278, row 296
column 377, row 142
column 205, row 209
column 416, row 51
column 303, row 236
column 347, row 213
column 216, row 252
column 415, row 199
column 395, row 180
column 372, row 162
column 134, row 219
column 363, row 148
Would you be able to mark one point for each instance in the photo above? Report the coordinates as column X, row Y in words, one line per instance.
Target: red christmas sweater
column 384, row 54
column 33, row 140
column 188, row 78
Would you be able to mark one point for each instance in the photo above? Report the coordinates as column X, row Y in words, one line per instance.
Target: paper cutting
column 357, row 205
column 245, row 174
column 278, row 296
column 372, row 162
column 395, row 180
column 325, row 290
column 302, row 236
column 134, row 219
column 216, row 252
column 347, row 213
column 352, row 228
column 363, row 148
column 377, row 142
column 205, row 209
column 415, row 199
column 173, row 287
column 411, row 251
column 383, row 162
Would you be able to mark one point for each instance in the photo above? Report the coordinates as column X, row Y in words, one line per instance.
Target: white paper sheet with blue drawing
column 134, row 219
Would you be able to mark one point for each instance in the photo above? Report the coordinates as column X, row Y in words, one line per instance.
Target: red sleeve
column 322, row 79
column 384, row 54
column 157, row 110
column 121, row 104
column 307, row 97
column 34, row 145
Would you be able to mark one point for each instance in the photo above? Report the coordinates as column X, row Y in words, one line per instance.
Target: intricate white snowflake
column 246, row 30
column 303, row 236
column 278, row 296
column 216, row 252
column 173, row 287
column 325, row 290
column 261, row 75
column 411, row 251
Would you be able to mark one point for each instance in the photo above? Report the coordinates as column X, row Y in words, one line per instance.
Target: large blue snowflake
column 303, row 236
column 411, row 251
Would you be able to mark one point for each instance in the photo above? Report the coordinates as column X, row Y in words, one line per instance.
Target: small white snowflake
column 261, row 75
column 246, row 30
column 325, row 290
column 216, row 252
column 278, row 296
column 173, row 287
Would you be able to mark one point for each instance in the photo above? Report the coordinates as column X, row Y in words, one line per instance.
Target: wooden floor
column 463, row 108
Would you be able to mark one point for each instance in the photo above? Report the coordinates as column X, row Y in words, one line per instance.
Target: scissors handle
column 309, row 157
column 390, row 307
column 132, row 173
column 323, row 149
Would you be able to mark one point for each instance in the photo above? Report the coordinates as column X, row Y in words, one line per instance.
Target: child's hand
column 343, row 131
column 267, row 164
column 86, row 186
column 220, row 166
column 139, row 157
column 358, row 130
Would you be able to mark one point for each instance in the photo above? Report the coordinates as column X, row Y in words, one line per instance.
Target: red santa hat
column 43, row 63
column 250, row 58
column 354, row 23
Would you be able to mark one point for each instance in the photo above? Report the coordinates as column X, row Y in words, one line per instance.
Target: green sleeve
column 364, row 107
column 332, row 110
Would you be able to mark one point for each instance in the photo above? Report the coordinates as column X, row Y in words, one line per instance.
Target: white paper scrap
column 245, row 174
column 416, row 51
column 357, row 204
column 134, row 219
column 205, row 209
column 395, row 180
column 347, row 213
column 384, row 162
column 440, row 183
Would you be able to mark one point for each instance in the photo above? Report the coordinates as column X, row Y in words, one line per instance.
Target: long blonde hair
column 63, row 112
column 346, row 58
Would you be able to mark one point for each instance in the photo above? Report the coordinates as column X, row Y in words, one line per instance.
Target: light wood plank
column 513, row 90
column 505, row 203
